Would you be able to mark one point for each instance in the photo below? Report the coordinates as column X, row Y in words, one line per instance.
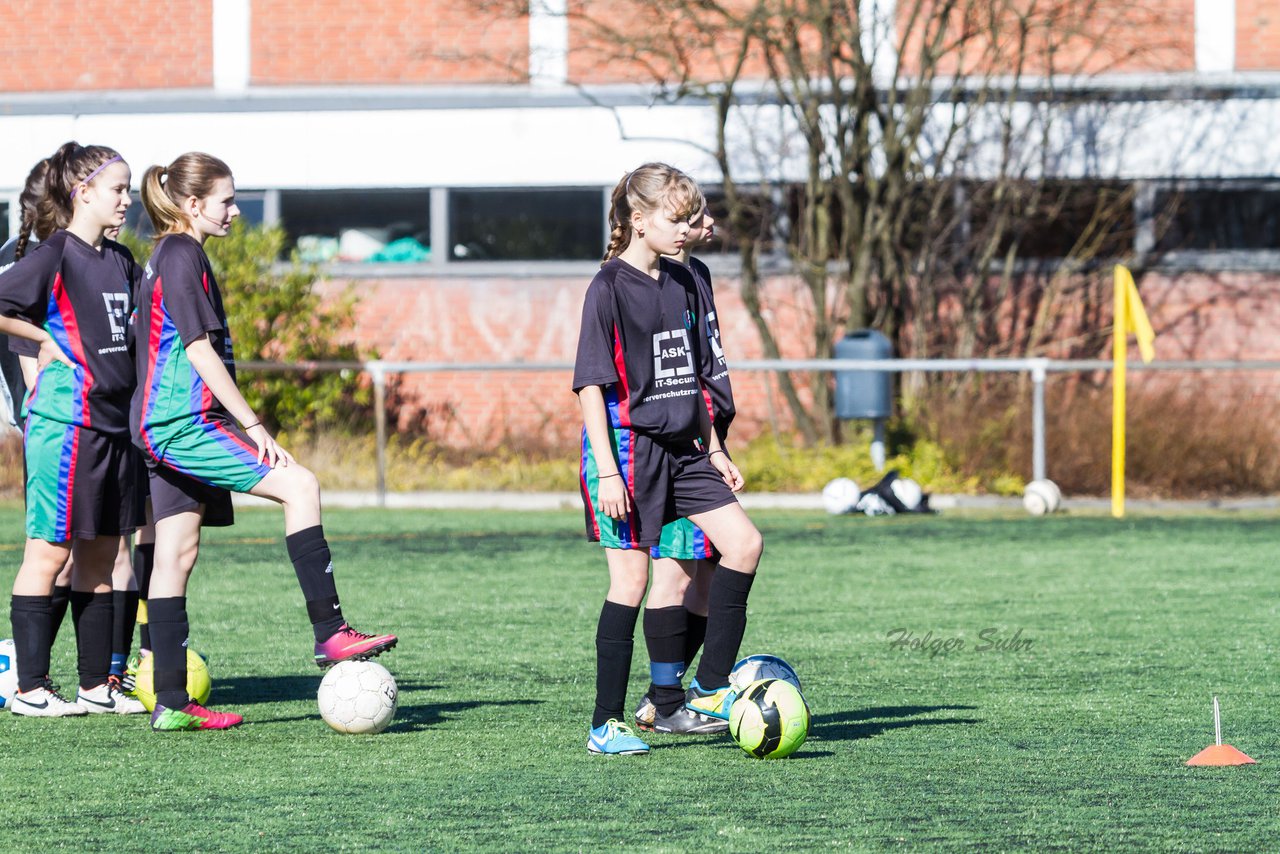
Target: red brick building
column 453, row 164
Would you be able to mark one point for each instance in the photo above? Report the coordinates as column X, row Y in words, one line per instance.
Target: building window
column 1220, row 218
column 252, row 204
column 526, row 225
column 1055, row 218
column 371, row 226
column 762, row 217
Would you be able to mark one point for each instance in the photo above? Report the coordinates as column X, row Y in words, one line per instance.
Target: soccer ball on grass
column 840, row 496
column 1041, row 497
column 753, row 668
column 770, row 719
column 358, row 697
column 8, row 672
column 199, row 685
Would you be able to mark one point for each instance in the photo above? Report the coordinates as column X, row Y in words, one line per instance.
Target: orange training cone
column 1219, row 753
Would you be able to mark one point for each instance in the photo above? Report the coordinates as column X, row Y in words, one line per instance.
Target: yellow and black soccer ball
column 770, row 719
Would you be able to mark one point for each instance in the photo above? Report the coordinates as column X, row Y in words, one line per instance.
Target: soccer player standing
column 636, row 379
column 72, row 297
column 184, row 417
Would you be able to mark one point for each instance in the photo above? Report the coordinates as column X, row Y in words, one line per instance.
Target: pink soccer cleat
column 349, row 645
column 192, row 716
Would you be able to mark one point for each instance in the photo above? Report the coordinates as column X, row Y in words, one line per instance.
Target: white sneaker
column 107, row 698
column 44, row 701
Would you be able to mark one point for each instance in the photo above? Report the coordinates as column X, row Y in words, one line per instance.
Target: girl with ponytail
column 71, row 296
column 649, row 457
column 202, row 441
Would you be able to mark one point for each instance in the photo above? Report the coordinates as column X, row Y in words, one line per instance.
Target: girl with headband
column 72, row 298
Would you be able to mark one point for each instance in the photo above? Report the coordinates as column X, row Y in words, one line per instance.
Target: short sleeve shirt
column 179, row 303
column 714, row 368
column 638, row 341
column 82, row 297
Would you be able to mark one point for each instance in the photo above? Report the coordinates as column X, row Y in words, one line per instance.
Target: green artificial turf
column 1075, row 741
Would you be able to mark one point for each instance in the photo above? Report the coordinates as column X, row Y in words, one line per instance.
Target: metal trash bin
column 864, row 394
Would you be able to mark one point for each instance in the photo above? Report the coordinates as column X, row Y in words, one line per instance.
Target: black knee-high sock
column 309, row 552
column 615, row 637
column 144, row 556
column 91, row 616
column 30, row 617
column 61, row 598
column 726, row 622
column 694, row 635
column 169, row 630
column 124, row 613
column 664, row 633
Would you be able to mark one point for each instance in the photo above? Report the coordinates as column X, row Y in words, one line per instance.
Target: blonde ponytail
column 166, row 216
column 164, row 188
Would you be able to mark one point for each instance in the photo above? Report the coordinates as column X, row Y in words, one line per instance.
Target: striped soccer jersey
column 83, row 298
column 178, row 304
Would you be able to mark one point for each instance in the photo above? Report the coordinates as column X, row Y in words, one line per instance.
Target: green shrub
column 276, row 316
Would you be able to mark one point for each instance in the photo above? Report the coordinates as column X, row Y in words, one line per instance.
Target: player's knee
column 303, row 487
column 746, row 552
column 628, row 592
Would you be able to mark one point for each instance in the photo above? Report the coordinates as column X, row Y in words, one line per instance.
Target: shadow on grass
column 411, row 718
column 247, row 690
column 408, row 718
column 841, row 726
column 867, row 723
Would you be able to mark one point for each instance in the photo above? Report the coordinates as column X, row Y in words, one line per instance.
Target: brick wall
column 71, row 45
column 1233, row 316
column 1081, row 37
column 59, row 45
column 1257, row 35
column 392, row 42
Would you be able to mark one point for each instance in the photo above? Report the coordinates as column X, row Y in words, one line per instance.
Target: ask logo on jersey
column 117, row 307
column 713, row 337
column 672, row 359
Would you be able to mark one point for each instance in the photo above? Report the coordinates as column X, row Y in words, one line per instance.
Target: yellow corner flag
column 1130, row 317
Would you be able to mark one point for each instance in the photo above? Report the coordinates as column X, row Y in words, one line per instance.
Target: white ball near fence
column 1041, row 497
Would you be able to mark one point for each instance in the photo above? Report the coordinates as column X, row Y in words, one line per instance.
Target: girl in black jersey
column 184, row 418
column 683, row 552
column 72, row 297
column 637, row 377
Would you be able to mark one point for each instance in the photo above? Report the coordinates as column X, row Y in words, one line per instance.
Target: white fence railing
column 1038, row 369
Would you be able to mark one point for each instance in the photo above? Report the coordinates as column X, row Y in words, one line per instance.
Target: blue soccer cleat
column 614, row 739
column 713, row 704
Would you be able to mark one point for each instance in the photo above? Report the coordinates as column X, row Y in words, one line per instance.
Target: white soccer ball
column 907, row 491
column 840, row 496
column 358, row 697
column 1041, row 497
column 8, row 672
column 753, row 668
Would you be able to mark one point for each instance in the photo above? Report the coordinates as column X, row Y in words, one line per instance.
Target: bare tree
column 906, row 168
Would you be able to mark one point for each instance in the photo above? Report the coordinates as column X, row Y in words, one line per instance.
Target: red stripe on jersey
column 155, row 323
column 71, row 481
column 586, row 491
column 69, row 322
column 224, row 430
column 620, row 365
